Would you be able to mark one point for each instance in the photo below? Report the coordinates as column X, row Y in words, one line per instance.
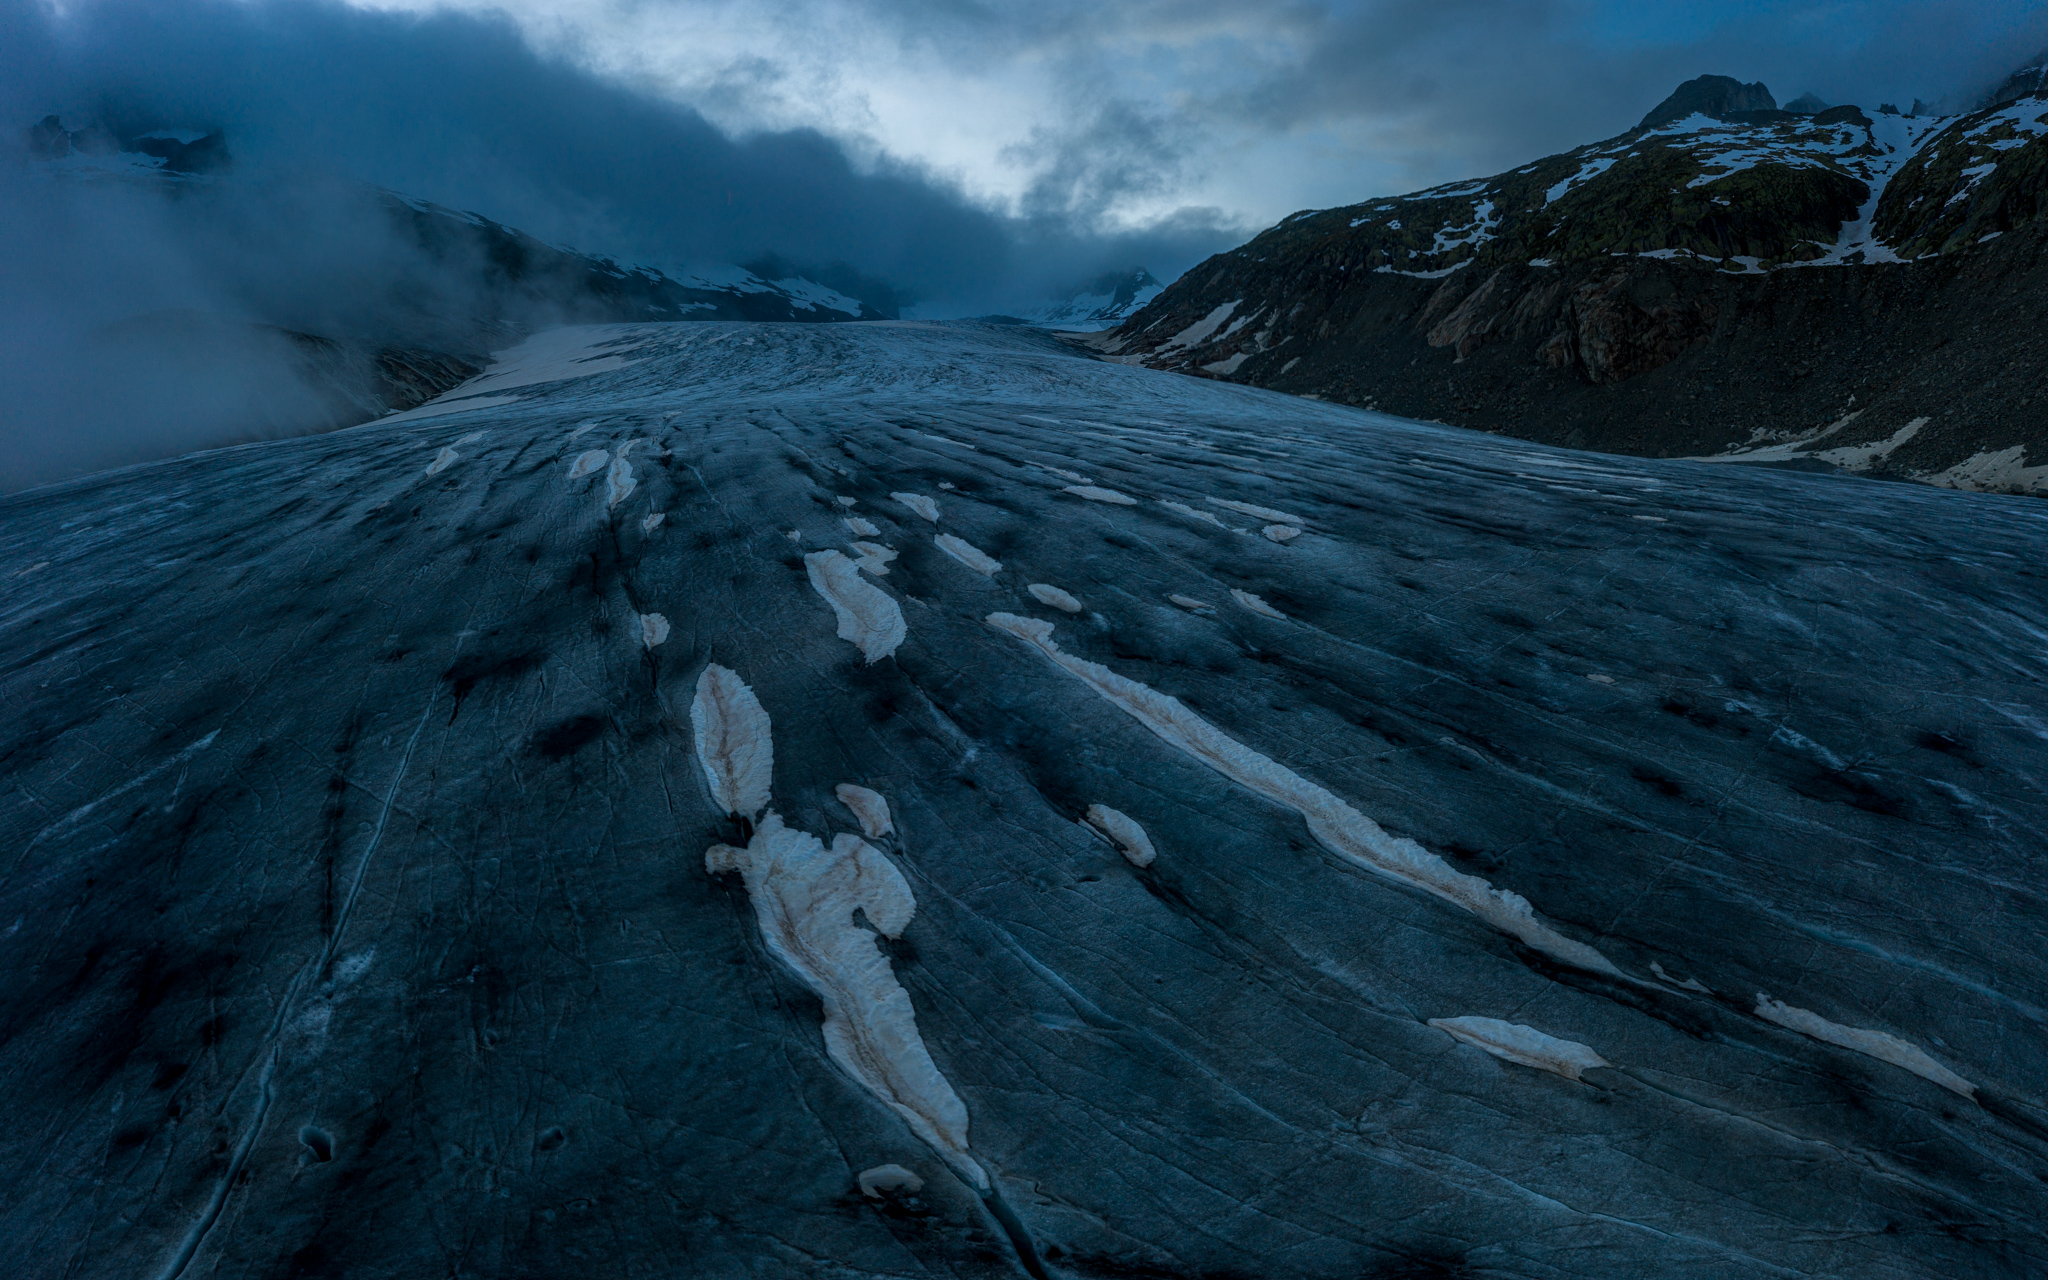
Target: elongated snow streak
column 442, row 461
column 1187, row 510
column 868, row 615
column 844, row 501
column 1878, row 1044
column 1280, row 532
column 471, row 438
column 1341, row 829
column 874, row 558
column 869, row 807
column 1256, row 605
column 1096, row 494
column 1189, row 602
column 653, row 629
column 919, row 503
column 734, row 742
column 619, row 483
column 804, row 898
column 1263, row 513
column 1046, row 593
column 1516, row 1043
column 588, row 462
column 967, row 553
column 864, row 528
column 1123, row 832
column 653, row 522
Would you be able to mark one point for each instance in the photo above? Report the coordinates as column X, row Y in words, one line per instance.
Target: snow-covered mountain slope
column 1102, row 303
column 1635, row 295
column 908, row 800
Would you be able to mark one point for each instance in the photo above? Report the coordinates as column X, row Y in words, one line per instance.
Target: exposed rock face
column 1687, row 288
column 2027, row 82
column 1577, row 867
column 1716, row 96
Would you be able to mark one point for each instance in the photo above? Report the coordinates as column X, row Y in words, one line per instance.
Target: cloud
column 139, row 321
column 1256, row 109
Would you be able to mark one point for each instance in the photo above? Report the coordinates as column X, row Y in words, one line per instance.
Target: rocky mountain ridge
column 1659, row 292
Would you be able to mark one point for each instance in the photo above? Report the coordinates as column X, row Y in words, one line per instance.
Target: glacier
column 355, row 919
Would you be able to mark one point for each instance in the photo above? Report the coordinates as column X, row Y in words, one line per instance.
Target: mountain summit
column 1718, row 96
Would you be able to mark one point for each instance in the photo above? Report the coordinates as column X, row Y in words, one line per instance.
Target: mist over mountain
column 275, row 125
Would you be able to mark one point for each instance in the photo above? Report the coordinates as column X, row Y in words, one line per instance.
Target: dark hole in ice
column 318, row 1143
column 550, row 1139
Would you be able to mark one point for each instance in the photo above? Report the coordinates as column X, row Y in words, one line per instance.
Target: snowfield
column 911, row 799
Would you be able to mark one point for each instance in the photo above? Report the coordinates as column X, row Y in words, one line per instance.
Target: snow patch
column 804, row 897
column 1256, row 605
column 888, row 1177
column 967, row 553
column 653, row 521
column 1192, row 605
column 618, row 483
column 1280, row 532
column 2003, row 471
column 1124, row 832
column 1198, row 332
column 865, row 528
column 919, row 503
column 868, row 616
column 1094, row 494
column 1877, row 1044
column 1262, row 513
column 734, row 743
column 1046, row 593
column 869, row 807
column 1339, row 827
column 586, row 463
column 874, row 558
column 442, row 461
column 653, row 629
column 1187, row 510
column 1513, row 1042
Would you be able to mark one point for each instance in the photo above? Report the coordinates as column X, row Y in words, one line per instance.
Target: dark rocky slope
column 1699, row 285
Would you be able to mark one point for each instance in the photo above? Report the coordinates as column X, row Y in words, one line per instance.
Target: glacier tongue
column 353, row 920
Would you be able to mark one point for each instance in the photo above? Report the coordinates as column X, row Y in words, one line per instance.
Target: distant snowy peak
column 167, row 152
column 1102, row 303
column 2028, row 81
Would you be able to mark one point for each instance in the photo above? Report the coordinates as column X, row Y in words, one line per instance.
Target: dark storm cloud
column 126, row 314
column 1422, row 91
column 1454, row 88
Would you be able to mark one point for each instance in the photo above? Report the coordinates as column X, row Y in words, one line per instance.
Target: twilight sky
column 970, row 152
column 1131, row 111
